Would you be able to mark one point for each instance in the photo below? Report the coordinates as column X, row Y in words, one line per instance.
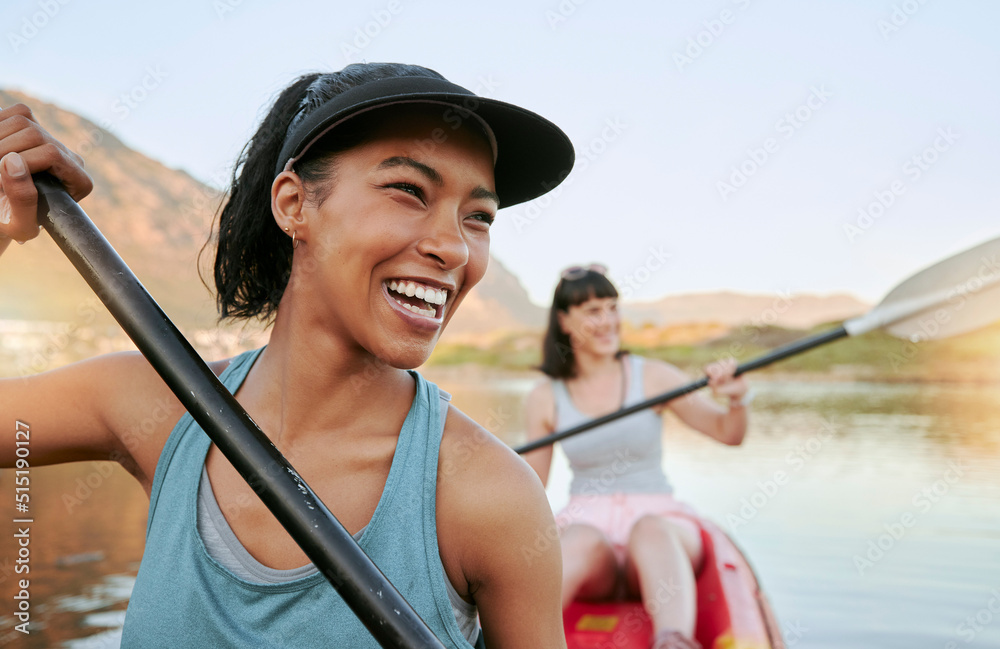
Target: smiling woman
column 357, row 221
column 623, row 533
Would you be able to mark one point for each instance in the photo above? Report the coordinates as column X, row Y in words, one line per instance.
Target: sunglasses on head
column 574, row 273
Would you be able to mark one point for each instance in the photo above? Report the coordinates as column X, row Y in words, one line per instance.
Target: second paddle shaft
column 776, row 355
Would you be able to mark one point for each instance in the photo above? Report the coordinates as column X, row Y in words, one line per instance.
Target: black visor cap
column 533, row 154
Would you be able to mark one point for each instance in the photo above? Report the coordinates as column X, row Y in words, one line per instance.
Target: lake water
column 871, row 513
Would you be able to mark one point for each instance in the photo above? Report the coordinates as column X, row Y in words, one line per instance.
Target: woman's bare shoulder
column 491, row 505
column 483, row 483
column 469, row 449
column 541, row 393
column 663, row 374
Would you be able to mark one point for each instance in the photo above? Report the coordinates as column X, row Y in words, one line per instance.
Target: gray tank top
column 222, row 545
column 622, row 456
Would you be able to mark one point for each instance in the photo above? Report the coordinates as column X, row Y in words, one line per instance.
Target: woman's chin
column 406, row 357
column 608, row 348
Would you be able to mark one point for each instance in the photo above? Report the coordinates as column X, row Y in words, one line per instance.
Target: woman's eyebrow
column 402, row 161
column 482, row 192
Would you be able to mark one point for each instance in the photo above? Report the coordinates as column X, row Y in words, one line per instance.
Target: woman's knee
column 588, row 542
column 590, row 568
column 653, row 528
column 659, row 531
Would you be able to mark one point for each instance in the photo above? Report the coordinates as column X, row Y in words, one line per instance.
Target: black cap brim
column 533, row 154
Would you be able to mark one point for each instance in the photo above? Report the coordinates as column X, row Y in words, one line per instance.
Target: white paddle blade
column 956, row 295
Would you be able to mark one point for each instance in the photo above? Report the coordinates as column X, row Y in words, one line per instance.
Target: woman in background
column 623, row 533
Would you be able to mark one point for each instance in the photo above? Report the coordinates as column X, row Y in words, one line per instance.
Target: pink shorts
column 615, row 514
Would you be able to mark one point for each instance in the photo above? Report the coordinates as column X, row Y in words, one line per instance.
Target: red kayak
column 733, row 613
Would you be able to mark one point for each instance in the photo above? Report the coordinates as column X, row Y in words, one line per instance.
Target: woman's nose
column 444, row 241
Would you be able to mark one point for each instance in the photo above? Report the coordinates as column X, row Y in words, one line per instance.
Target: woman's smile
column 419, row 302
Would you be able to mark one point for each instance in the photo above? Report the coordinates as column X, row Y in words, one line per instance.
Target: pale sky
column 823, row 105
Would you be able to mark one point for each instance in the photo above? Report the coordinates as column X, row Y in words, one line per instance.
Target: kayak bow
column 733, row 611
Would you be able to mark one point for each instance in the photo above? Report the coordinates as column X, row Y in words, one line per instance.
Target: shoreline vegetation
column 29, row 347
column 970, row 358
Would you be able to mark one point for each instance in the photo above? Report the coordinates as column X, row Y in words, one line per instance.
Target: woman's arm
column 112, row 407
column 539, row 409
column 498, row 539
column 726, row 425
column 109, row 408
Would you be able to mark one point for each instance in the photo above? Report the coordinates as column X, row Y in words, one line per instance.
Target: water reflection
column 885, row 528
column 883, row 532
column 86, row 544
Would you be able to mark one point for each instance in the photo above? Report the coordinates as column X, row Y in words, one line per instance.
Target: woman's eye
column 413, row 190
column 484, row 217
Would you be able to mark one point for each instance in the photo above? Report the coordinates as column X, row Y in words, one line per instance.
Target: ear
column 287, row 199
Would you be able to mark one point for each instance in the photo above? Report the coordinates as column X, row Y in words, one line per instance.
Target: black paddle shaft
column 778, row 354
column 368, row 593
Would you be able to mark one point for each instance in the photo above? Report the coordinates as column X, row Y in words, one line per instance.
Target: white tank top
column 624, row 455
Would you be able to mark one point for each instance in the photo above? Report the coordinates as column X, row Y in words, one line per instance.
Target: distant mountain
column 784, row 310
column 158, row 219
column 499, row 303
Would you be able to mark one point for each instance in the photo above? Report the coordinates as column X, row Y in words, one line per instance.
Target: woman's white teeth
column 425, row 312
column 425, row 293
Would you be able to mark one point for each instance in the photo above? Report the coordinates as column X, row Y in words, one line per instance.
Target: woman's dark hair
column 253, row 261
column 558, row 360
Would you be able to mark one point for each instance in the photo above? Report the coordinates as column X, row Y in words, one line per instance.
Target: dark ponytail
column 253, row 261
column 254, row 258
